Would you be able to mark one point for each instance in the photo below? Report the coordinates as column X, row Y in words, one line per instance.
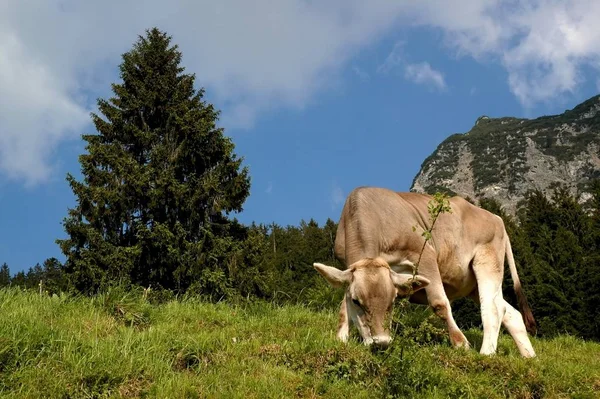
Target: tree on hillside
column 556, row 241
column 19, row 280
column 160, row 179
column 34, row 275
column 4, row 275
column 54, row 276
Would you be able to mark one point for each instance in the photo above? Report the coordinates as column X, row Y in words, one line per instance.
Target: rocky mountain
column 502, row 158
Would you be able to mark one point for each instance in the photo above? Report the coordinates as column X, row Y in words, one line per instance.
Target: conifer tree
column 159, row 179
column 4, row 275
column 590, row 279
column 54, row 276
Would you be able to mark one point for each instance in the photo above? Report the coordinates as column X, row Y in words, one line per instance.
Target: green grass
column 117, row 345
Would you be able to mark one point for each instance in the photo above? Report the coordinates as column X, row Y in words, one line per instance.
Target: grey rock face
column 503, row 158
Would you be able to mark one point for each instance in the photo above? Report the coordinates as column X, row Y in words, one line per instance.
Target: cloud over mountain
column 56, row 56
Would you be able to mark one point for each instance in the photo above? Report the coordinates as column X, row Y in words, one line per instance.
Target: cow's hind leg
column 513, row 322
column 489, row 270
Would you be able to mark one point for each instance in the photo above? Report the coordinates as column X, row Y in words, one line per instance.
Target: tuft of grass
column 118, row 345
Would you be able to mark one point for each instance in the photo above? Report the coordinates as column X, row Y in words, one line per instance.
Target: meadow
column 122, row 345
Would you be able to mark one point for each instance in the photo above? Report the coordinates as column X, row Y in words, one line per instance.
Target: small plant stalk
column 436, row 206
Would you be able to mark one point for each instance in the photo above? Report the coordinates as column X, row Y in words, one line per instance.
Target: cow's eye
column 356, row 301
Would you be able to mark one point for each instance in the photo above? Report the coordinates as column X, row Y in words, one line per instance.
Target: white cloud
column 362, row 74
column 543, row 44
column 36, row 112
column 57, row 55
column 423, row 73
column 559, row 39
column 420, row 73
column 394, row 59
column 337, row 195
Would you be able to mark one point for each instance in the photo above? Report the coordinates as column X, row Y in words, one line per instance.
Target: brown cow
column 465, row 257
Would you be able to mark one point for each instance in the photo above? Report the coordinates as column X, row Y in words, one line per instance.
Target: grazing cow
column 379, row 245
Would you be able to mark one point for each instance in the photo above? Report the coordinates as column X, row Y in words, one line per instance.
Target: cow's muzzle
column 381, row 341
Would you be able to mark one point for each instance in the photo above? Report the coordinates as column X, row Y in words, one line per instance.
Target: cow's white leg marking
column 513, row 322
column 489, row 283
column 492, row 313
column 344, row 324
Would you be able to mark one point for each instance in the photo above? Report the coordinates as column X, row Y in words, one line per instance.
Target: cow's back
column 469, row 225
column 377, row 221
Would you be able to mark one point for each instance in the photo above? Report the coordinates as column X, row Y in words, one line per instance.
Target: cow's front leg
column 440, row 304
column 437, row 299
column 441, row 307
column 344, row 326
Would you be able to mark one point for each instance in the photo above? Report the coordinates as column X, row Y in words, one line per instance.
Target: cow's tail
column 530, row 324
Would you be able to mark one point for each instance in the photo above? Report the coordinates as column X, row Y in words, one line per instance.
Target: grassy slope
column 113, row 347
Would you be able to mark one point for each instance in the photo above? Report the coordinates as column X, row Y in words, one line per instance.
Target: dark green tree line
column 50, row 273
column 555, row 241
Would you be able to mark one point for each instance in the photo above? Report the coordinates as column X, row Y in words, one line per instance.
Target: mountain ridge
column 502, row 158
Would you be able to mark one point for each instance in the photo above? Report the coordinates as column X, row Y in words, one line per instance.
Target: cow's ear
column 405, row 282
column 334, row 276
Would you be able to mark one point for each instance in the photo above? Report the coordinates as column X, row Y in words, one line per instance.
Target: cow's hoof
column 528, row 354
column 343, row 336
column 488, row 350
column 460, row 341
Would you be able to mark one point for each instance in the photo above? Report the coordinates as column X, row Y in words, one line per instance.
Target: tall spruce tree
column 159, row 180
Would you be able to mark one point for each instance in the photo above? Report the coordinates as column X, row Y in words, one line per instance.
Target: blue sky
column 319, row 98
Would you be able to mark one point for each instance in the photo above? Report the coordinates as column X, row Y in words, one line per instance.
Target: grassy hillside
column 118, row 345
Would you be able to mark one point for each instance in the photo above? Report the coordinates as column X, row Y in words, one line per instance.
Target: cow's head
column 371, row 288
